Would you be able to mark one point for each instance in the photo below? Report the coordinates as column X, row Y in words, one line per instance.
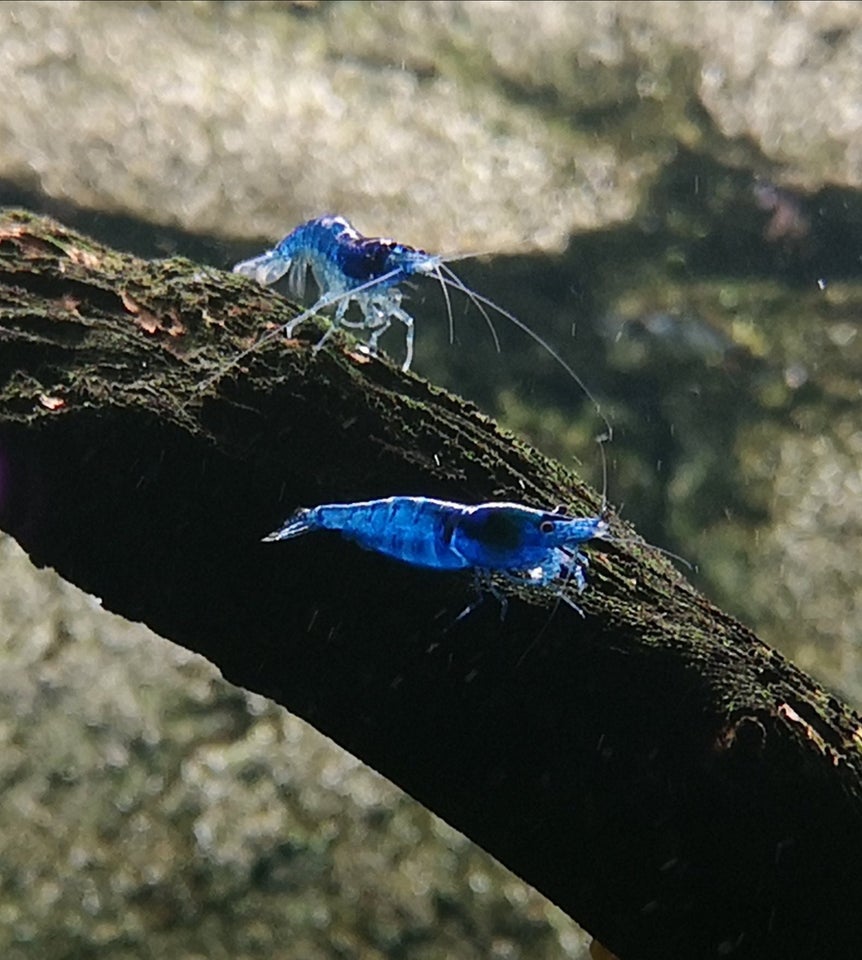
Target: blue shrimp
column 346, row 267
column 349, row 267
column 528, row 546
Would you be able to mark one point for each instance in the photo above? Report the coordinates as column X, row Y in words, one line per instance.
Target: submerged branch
column 670, row 781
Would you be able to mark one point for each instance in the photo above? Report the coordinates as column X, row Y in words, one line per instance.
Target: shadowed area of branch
column 670, row 781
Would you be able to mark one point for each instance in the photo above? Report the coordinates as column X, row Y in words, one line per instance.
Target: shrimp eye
column 547, row 526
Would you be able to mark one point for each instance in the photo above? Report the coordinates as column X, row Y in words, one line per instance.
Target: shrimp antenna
column 477, row 299
column 472, row 255
column 452, row 279
column 639, row 542
column 632, row 541
column 601, row 442
column 448, row 301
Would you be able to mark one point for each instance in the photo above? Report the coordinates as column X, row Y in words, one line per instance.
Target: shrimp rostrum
column 528, row 546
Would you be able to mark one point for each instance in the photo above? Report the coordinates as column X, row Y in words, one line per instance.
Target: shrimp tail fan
column 266, row 269
column 296, row 525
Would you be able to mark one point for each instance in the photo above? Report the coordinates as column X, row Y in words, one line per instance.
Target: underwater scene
column 667, row 196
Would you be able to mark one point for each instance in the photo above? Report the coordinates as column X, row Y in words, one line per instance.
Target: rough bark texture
column 670, row 781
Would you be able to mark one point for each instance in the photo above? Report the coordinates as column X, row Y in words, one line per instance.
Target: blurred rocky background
column 667, row 192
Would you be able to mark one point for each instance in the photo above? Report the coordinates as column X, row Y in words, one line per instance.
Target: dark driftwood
column 670, row 781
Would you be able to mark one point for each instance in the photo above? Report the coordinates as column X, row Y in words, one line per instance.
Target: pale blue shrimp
column 531, row 547
column 351, row 268
column 347, row 267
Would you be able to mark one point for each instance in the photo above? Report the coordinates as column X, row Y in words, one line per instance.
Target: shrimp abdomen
column 415, row 530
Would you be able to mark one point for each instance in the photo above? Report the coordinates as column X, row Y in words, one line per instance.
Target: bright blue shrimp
column 528, row 546
column 350, row 268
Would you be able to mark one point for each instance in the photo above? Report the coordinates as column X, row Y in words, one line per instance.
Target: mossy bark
column 669, row 780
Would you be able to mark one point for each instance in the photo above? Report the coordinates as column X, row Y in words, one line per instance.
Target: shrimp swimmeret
column 350, row 268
